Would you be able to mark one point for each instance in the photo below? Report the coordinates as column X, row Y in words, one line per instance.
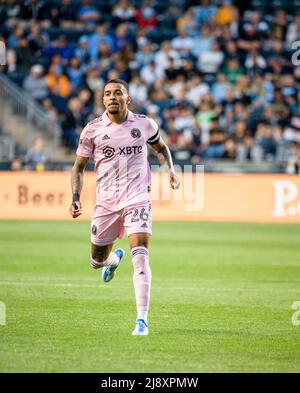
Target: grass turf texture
column 221, row 300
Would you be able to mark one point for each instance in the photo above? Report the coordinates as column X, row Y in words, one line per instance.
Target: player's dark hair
column 125, row 84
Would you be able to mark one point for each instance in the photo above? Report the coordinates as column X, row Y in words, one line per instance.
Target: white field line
column 123, row 285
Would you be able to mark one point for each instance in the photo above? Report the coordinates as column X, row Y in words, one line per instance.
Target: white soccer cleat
column 108, row 272
column 141, row 328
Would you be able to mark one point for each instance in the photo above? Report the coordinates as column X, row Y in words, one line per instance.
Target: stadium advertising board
column 219, row 197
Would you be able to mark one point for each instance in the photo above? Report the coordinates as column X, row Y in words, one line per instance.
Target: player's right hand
column 75, row 209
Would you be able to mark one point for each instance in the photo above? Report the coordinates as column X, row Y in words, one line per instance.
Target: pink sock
column 141, row 277
column 112, row 259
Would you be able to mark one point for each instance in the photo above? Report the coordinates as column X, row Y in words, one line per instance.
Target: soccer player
column 117, row 141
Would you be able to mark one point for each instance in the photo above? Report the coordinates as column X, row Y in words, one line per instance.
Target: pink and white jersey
column 120, row 153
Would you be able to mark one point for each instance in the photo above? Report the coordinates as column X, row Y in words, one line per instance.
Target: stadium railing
column 23, row 119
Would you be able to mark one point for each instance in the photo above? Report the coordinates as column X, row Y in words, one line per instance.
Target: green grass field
column 221, row 300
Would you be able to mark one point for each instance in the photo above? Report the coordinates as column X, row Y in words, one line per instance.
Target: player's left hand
column 174, row 180
column 75, row 209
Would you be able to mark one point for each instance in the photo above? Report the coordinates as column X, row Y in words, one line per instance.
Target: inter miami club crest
column 94, row 229
column 135, row 133
column 108, row 151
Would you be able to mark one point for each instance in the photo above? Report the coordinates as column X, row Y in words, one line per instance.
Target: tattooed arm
column 76, row 184
column 164, row 157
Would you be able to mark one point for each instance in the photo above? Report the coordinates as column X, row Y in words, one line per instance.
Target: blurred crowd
column 222, row 82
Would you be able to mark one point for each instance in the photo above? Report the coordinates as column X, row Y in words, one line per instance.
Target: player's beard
column 113, row 111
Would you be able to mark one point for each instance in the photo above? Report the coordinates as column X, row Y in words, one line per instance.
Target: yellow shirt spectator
column 58, row 84
column 225, row 13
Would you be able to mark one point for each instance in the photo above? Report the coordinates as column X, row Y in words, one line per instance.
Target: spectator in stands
column 213, row 143
column 19, row 60
column 75, row 73
column 183, row 42
column 210, row 61
column 60, row 47
column 204, row 118
column 173, row 69
column 220, row 87
column 98, row 107
column 82, row 51
column 51, row 111
column 225, row 13
column 255, row 64
column 293, row 162
column 279, row 25
column 293, row 32
column 58, row 61
column 185, row 118
column 249, row 38
column 35, row 83
column 13, row 39
column 257, row 90
column 122, row 39
column 234, row 26
column 233, row 70
column 73, row 123
column 159, row 96
column 126, row 56
column 97, row 38
column 168, row 19
column 144, row 56
column 138, row 90
column 188, row 23
column 16, row 164
column 231, row 50
column 37, row 156
column 93, row 79
column 123, row 11
column 205, row 13
column 265, row 139
column 85, row 98
column 88, row 14
column 58, row 84
column 230, row 149
column 197, row 88
column 122, row 70
column 150, row 73
column 268, row 87
column 10, row 11
column 37, row 40
column 145, row 16
column 153, row 113
column 246, row 151
column 34, row 9
column 164, row 54
column 203, row 42
column 240, row 111
column 240, row 131
column 67, row 13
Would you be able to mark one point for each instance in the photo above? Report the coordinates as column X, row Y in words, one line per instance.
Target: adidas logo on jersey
column 144, row 225
column 105, row 137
